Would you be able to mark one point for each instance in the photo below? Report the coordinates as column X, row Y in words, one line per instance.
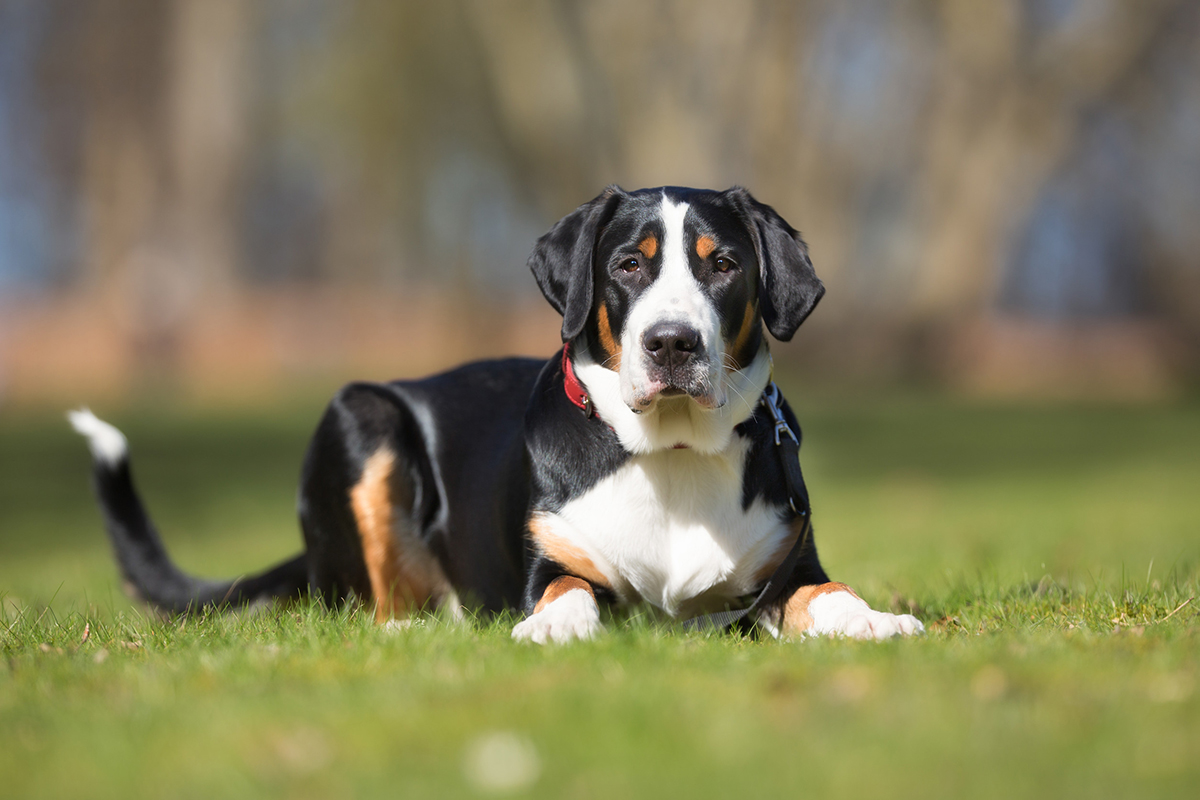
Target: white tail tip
column 107, row 444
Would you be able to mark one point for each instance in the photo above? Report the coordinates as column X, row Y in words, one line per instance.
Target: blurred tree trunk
column 207, row 137
column 121, row 63
column 162, row 151
column 1010, row 111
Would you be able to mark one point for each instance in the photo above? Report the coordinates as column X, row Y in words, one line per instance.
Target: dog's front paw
column 570, row 617
column 843, row 614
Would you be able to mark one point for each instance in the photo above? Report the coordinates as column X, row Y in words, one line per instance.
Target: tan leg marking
column 648, row 246
column 565, row 554
column 705, row 245
column 560, row 586
column 611, row 348
column 404, row 575
column 741, row 342
column 796, row 618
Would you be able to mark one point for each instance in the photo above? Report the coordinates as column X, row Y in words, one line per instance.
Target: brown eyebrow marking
column 649, row 246
column 705, row 245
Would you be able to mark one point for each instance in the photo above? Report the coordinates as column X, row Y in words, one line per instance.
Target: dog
column 636, row 465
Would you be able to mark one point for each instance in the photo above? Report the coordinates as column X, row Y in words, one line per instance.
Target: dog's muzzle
column 676, row 363
column 672, row 346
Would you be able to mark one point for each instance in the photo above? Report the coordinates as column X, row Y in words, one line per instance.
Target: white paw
column 394, row 625
column 843, row 614
column 570, row 617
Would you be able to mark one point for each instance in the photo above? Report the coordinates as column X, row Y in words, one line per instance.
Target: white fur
column 664, row 422
column 669, row 528
column 570, row 617
column 843, row 614
column 675, row 420
column 108, row 445
column 453, row 606
column 675, row 296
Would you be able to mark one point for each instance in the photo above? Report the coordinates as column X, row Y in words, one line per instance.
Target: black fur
column 764, row 478
column 561, row 261
column 791, row 289
column 476, row 411
column 480, row 448
column 148, row 569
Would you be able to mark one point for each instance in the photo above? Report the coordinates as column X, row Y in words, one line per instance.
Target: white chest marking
column 668, row 527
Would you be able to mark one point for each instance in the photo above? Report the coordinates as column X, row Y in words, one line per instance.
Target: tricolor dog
column 638, row 465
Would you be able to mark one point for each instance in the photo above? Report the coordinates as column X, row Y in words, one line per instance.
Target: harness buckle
column 771, row 398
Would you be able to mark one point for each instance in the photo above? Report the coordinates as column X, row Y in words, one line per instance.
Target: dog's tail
column 144, row 561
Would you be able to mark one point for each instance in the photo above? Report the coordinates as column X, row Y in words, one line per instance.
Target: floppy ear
column 562, row 259
column 789, row 288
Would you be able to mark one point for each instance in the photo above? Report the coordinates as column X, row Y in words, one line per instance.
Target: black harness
column 787, row 447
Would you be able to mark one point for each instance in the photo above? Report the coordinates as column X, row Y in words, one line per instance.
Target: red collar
column 577, row 394
column 571, row 385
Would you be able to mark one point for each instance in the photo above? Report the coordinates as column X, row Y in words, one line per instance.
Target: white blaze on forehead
column 675, row 261
column 675, row 294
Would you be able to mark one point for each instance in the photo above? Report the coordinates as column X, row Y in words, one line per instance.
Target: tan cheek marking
column 607, row 341
column 402, row 573
column 705, row 245
column 796, row 618
column 741, row 342
column 569, row 557
column 560, row 586
column 648, row 246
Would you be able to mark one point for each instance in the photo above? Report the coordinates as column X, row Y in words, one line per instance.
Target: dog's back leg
column 366, row 498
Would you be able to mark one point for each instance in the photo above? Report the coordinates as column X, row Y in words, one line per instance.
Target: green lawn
column 1053, row 553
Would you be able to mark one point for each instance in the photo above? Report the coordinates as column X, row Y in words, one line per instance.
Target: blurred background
column 211, row 200
column 213, row 212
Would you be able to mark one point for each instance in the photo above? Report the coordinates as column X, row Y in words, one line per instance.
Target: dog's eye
column 629, row 265
column 723, row 264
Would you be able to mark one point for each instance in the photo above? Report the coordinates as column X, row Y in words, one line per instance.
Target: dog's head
column 667, row 289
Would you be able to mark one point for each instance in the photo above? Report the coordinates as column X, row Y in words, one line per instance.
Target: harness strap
column 787, row 446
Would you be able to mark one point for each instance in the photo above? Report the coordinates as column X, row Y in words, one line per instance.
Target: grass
column 1054, row 553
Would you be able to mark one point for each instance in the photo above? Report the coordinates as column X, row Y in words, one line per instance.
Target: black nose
column 670, row 344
